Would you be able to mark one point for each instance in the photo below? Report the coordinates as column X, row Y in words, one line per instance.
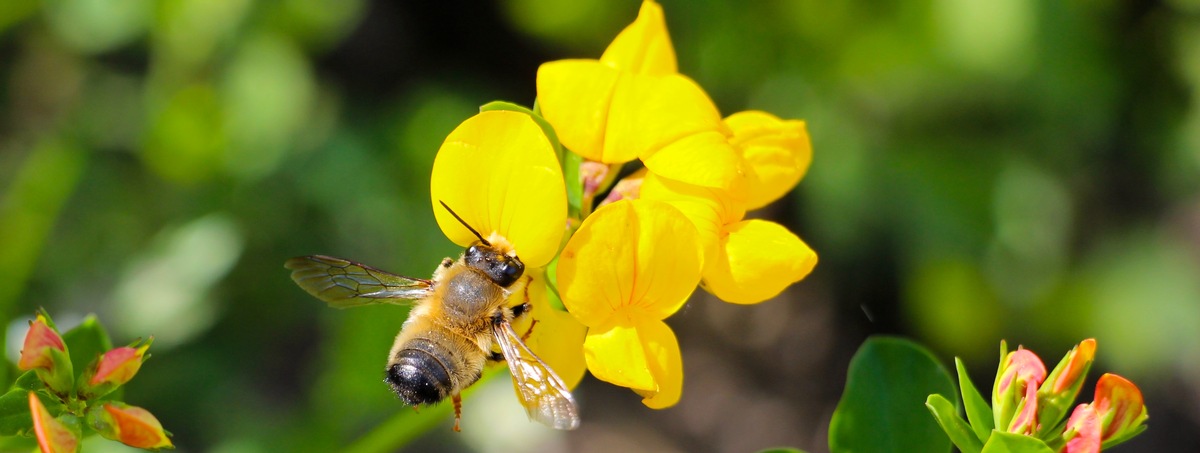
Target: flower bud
column 53, row 436
column 1120, row 407
column 113, row 369
column 45, row 352
column 1014, row 396
column 130, row 425
column 1083, row 431
column 1062, row 385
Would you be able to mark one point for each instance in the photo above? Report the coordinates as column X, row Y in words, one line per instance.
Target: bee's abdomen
column 418, row 375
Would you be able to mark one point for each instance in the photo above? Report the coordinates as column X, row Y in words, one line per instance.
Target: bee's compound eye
column 472, row 250
column 514, row 270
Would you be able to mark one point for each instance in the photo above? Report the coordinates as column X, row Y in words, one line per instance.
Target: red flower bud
column 130, row 425
column 1083, row 431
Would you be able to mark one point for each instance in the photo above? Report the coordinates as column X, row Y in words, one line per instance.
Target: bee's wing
column 542, row 392
column 343, row 283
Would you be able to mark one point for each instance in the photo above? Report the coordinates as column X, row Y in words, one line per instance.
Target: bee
column 460, row 318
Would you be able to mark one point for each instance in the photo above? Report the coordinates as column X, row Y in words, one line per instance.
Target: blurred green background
column 1016, row 169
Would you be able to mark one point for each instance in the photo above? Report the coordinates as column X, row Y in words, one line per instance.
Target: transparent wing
column 344, row 283
column 542, row 392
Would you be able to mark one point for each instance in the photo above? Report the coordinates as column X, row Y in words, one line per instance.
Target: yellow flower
column 631, row 104
column 776, row 152
column 630, row 265
column 746, row 261
column 499, row 172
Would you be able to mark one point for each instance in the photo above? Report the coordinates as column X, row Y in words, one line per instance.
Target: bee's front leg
column 457, row 400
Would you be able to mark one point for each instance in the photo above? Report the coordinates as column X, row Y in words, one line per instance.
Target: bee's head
column 502, row 268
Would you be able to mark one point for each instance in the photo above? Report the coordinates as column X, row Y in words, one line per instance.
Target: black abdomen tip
column 418, row 378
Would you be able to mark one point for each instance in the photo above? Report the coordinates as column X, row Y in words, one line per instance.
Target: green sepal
column 1055, row 440
column 999, row 418
column 1002, row 442
column 1121, row 438
column 552, row 295
column 60, row 377
column 1053, row 408
column 571, row 163
column 977, row 409
column 955, row 427
column 29, row 380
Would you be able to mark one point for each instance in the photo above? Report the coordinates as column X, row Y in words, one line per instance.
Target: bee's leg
column 524, row 308
column 457, row 400
column 529, row 331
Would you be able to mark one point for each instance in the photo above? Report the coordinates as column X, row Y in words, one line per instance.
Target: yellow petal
column 644, row 46
column 614, row 354
column 651, row 112
column 557, row 338
column 666, row 364
column 644, row 357
column 498, row 171
column 640, row 257
column 777, row 154
column 756, row 260
column 708, row 209
column 574, row 96
column 704, row 159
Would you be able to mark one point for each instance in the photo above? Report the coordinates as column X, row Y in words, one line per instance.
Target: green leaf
column 881, row 409
column 977, row 409
column 1002, row 442
column 954, row 426
column 87, row 342
column 29, row 381
column 15, row 418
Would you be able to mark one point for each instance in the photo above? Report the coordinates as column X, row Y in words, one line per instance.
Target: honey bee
column 460, row 317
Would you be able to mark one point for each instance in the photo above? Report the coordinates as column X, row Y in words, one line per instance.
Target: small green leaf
column 881, row 409
column 15, row 417
column 87, row 341
column 977, row 409
column 29, row 380
column 955, row 427
column 1002, row 442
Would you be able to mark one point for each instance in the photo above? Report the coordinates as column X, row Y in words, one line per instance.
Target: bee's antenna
column 464, row 223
